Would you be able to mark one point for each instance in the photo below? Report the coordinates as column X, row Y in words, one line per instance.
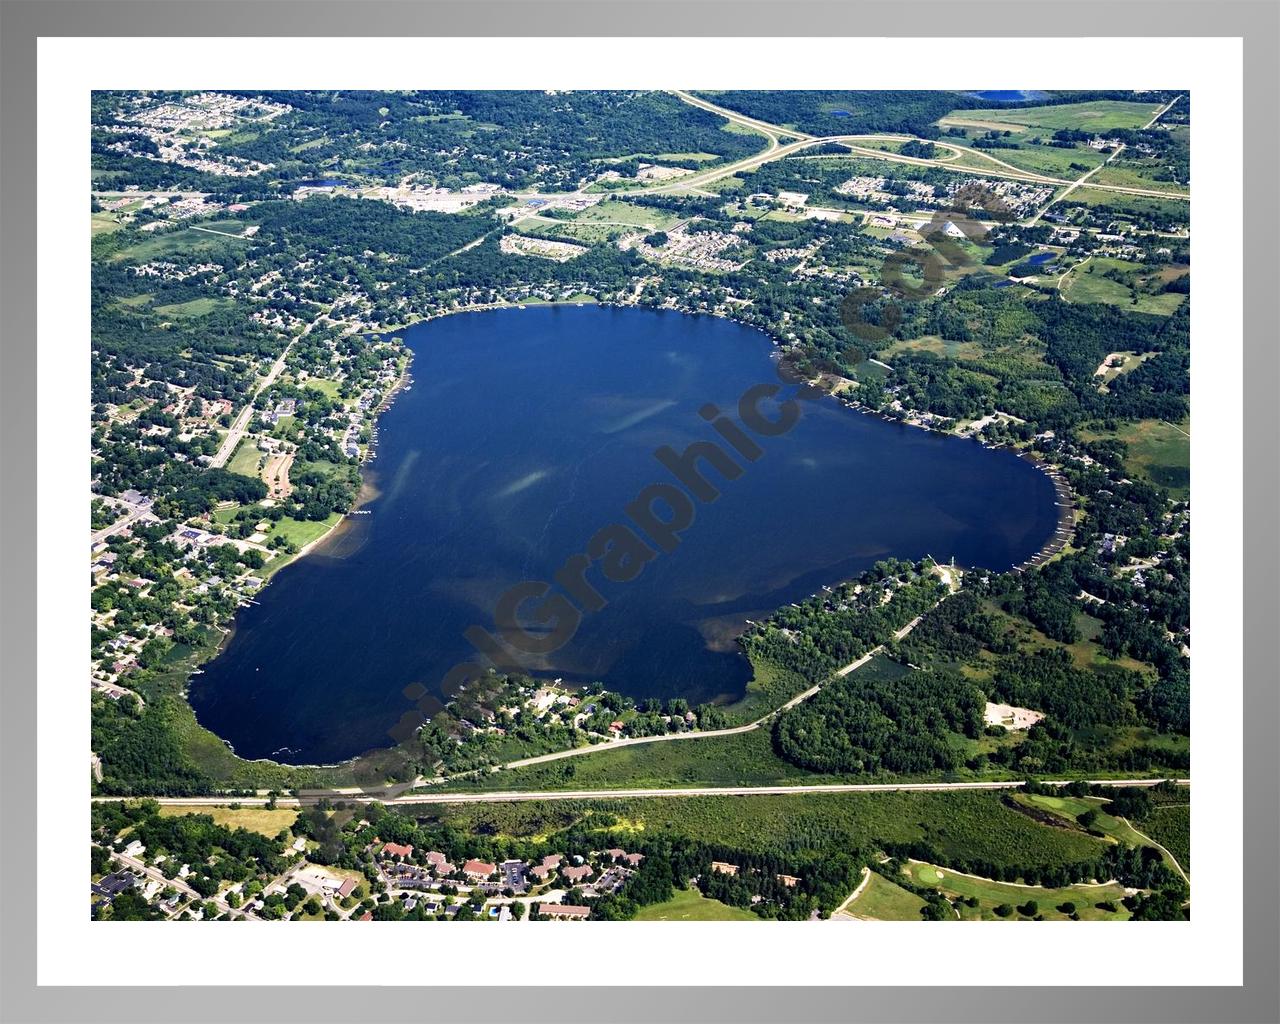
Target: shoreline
column 1055, row 543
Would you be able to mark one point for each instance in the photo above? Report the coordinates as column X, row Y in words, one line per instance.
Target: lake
column 524, row 433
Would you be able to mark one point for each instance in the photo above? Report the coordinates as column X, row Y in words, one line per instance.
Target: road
column 524, row 796
column 141, row 868
column 709, row 733
column 775, row 151
column 1086, row 176
column 135, row 513
column 241, row 422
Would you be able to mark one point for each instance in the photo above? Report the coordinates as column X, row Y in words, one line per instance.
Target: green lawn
column 304, row 531
column 691, row 905
column 881, row 900
column 185, row 241
column 246, row 459
column 991, row 894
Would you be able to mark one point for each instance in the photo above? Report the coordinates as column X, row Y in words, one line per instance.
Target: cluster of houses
column 172, row 124
column 431, row 875
column 701, row 250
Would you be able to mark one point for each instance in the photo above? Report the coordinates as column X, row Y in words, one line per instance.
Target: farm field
column 691, row 905
column 1159, row 452
column 1093, row 115
column 991, row 894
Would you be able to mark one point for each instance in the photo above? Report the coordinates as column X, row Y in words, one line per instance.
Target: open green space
column 265, row 821
column 193, row 307
column 1136, row 286
column 185, row 241
column 1159, row 452
column 246, row 459
column 691, row 905
column 882, row 900
column 1093, row 115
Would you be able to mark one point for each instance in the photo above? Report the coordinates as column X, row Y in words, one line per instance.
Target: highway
column 775, row 151
column 524, row 796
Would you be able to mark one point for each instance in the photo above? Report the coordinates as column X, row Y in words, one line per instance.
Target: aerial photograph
column 655, row 505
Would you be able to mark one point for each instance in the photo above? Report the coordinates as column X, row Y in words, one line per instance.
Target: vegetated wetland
column 524, row 433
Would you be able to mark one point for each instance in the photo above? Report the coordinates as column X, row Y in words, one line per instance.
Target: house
column 564, row 911
column 397, row 850
column 478, row 869
column 790, row 881
column 347, row 887
column 721, row 868
column 576, row 874
column 135, row 849
column 633, row 859
column 439, row 863
column 616, row 854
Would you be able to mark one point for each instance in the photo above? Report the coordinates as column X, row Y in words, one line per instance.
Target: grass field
column 193, row 308
column 246, row 458
column 691, row 905
column 1038, row 159
column 1159, row 452
column 264, row 821
column 1136, row 174
column 1139, row 287
column 1093, row 115
column 881, row 900
column 1173, row 210
column 991, row 894
column 186, row 242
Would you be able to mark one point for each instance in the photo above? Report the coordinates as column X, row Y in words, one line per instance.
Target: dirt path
column 275, row 474
column 840, row 912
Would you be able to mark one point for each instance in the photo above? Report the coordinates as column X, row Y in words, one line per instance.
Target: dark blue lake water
column 1009, row 95
column 523, row 434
